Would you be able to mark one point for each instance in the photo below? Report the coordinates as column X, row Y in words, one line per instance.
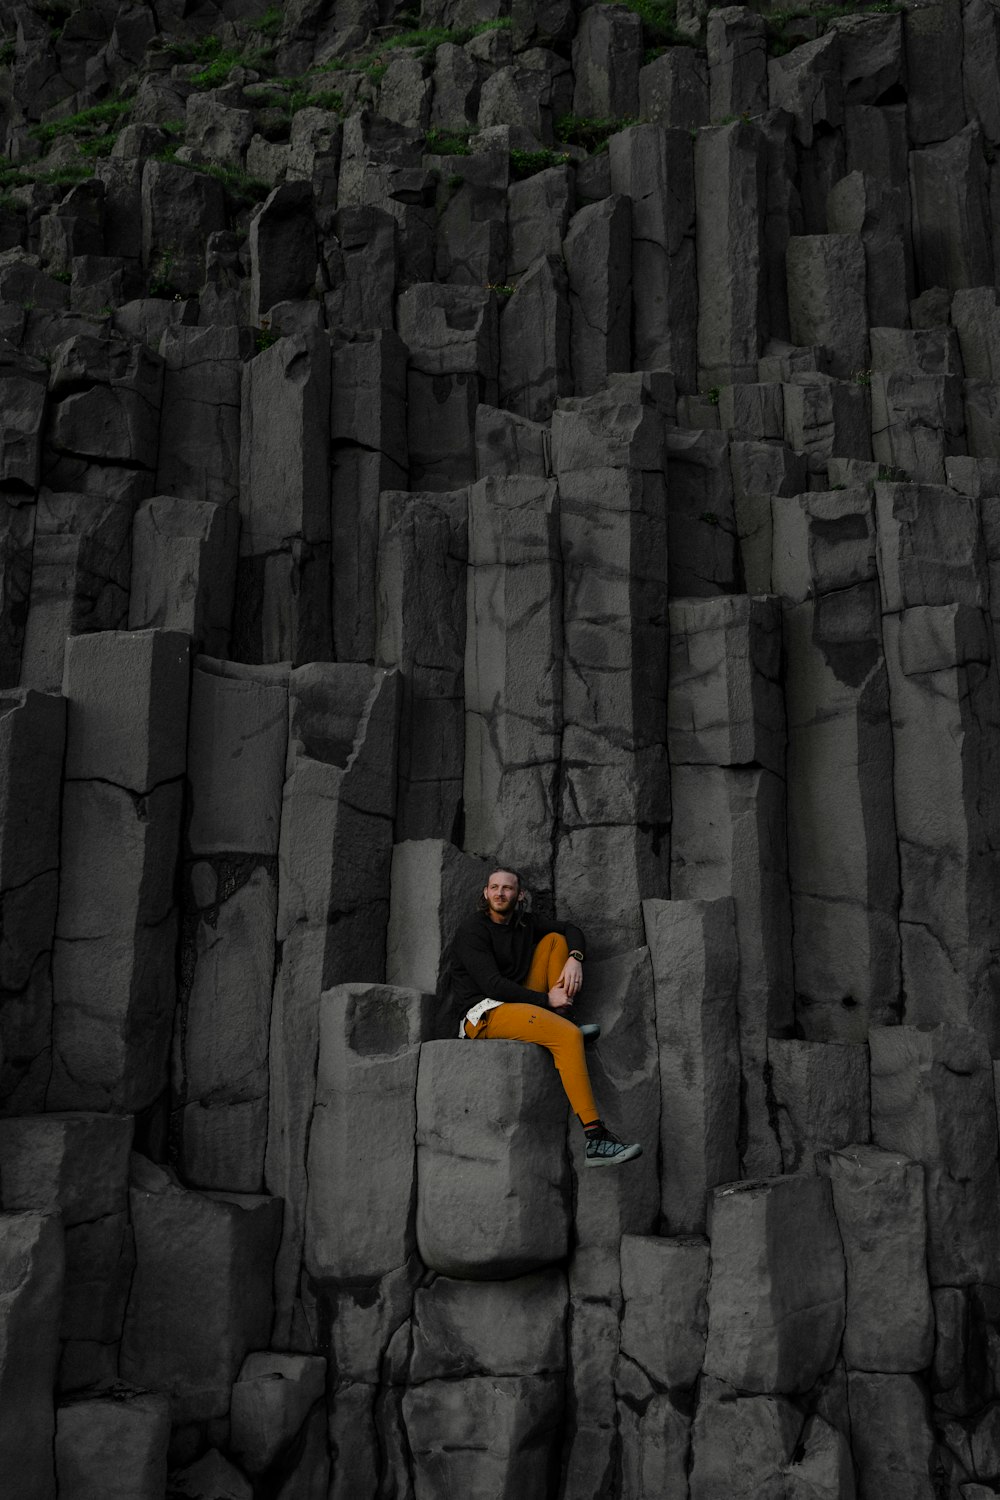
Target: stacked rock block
column 563, row 437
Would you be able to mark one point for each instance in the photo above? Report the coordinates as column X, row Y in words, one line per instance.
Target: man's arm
column 474, row 951
column 570, row 981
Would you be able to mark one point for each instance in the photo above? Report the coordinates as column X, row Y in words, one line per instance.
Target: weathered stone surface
column 756, row 1446
column 695, row 964
column 421, row 630
column 737, row 62
column 723, row 706
column 22, row 387
column 820, row 1096
column 201, row 1298
column 283, row 578
column 930, row 547
column 184, row 570
column 607, row 54
column 179, row 207
column 597, row 249
column 199, row 454
column 475, row 1435
column 272, row 1398
column 498, row 1328
column 491, row 1173
column 827, row 298
column 513, row 672
column 807, row 83
column 665, row 1324
column 654, row 168
column 369, row 1041
column 653, row 1435
column 952, row 244
column 943, row 702
column 211, row 1477
column 863, row 205
column 878, row 1197
column 538, row 214
column 614, row 803
column 113, row 1448
column 334, row 862
column 728, row 838
column 673, row 89
column 892, row 1439
column 730, row 181
column 434, row 887
column 113, row 972
column 75, row 1164
column 32, row 739
column 451, row 333
column 931, row 1094
column 917, row 422
column 776, row 1299
column 826, row 418
column 31, row 1278
column 842, row 853
column 535, row 341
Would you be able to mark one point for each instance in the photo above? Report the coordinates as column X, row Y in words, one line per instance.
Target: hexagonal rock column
column 113, row 967
column 202, row 1296
column 776, row 1300
column 359, row 1224
column 946, row 728
column 434, row 887
column 726, row 739
column 113, row 1447
column 236, row 768
column 283, row 578
column 878, row 1197
column 513, row 674
column 746, row 1447
column 932, row 1090
column 730, row 183
column 200, row 424
column 420, row 628
column 608, row 454
column 368, row 455
column 451, row 333
column 654, row 168
column 695, row 967
column 271, row 1400
column 76, row 1165
column 32, row 738
column 184, row 570
column 842, row 854
column 31, row 1284
column 892, row 1437
column 492, row 1180
column 334, row 860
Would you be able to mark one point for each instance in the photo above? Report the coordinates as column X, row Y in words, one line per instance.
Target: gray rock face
column 930, row 1094
column 369, row 1040
column 32, row 1261
column 201, row 1298
column 491, row 1176
column 114, row 1447
column 693, row 949
column 285, row 504
column 421, row 630
column 113, row 983
column 730, row 182
column 598, row 263
column 513, row 673
column 758, row 1233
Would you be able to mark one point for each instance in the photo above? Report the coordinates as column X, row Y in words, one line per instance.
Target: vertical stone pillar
column 615, row 805
column 513, row 674
column 116, row 934
column 730, row 169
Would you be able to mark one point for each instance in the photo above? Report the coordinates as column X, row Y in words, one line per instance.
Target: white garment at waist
column 476, row 1014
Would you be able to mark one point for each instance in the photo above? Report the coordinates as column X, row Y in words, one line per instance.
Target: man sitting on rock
column 510, row 971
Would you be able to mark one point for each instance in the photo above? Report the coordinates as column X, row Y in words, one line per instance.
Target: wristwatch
column 575, row 953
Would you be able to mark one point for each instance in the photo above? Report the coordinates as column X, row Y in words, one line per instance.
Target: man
column 509, row 973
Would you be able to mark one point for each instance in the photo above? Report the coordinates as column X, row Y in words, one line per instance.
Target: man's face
column 501, row 892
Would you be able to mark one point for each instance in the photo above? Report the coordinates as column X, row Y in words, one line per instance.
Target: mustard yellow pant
column 531, row 1023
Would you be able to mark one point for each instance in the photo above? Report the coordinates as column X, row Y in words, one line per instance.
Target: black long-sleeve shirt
column 492, row 959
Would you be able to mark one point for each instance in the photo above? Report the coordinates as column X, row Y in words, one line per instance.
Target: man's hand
column 571, row 978
column 558, row 998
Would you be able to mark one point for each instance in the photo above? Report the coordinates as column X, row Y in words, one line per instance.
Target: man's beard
column 502, row 907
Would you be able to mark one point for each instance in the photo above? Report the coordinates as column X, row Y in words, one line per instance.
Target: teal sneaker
column 605, row 1149
column 590, row 1030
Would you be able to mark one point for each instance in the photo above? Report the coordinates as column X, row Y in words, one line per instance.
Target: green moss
column 527, row 163
column 659, row 22
column 102, row 146
column 217, row 72
column 592, row 134
column 87, row 123
column 776, row 21
column 270, row 22
column 448, row 142
column 7, row 51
